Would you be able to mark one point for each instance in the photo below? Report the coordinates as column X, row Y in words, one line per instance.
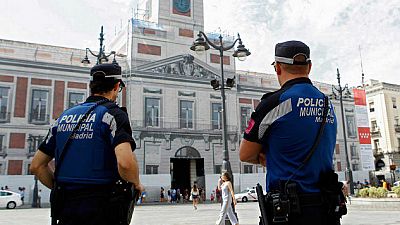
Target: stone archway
column 187, row 167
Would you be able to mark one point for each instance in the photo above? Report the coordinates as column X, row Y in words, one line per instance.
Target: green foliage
column 364, row 192
column 373, row 192
column 382, row 192
column 397, row 191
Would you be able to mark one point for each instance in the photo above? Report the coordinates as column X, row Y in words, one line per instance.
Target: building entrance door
column 187, row 167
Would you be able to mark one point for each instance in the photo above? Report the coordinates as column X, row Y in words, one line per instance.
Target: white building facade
column 383, row 101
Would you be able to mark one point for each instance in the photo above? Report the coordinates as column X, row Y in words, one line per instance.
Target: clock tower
column 185, row 14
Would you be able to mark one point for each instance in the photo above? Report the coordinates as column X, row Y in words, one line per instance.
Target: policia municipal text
column 96, row 170
column 293, row 133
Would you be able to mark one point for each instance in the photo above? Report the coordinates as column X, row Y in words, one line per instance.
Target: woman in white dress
column 225, row 185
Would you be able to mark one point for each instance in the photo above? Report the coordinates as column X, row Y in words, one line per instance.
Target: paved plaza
column 206, row 214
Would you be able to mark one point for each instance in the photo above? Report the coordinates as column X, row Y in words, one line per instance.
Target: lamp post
column 201, row 44
column 35, row 194
column 340, row 90
column 102, row 57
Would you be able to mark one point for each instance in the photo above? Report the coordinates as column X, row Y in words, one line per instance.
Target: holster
column 333, row 197
column 122, row 201
column 57, row 198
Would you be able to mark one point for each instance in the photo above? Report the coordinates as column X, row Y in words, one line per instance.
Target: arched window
column 187, row 152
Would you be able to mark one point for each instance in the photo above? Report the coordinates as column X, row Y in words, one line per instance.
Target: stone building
column 384, row 116
column 175, row 114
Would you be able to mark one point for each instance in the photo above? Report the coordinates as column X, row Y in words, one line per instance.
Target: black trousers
column 312, row 215
column 90, row 207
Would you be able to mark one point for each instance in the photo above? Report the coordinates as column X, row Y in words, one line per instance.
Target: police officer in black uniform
column 282, row 131
column 93, row 148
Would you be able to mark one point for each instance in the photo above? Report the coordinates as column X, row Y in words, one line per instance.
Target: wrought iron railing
column 196, row 125
column 39, row 119
column 5, row 117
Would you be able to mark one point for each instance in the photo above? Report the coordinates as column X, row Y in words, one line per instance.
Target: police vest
column 90, row 157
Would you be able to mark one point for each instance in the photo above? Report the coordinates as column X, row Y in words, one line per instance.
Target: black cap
column 285, row 52
column 106, row 71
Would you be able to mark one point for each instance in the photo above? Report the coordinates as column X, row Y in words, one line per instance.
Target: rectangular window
column 351, row 126
column 75, row 99
column 371, row 107
column 28, row 171
column 354, row 152
column 338, row 166
column 394, row 103
column 1, row 169
column 374, row 126
column 245, row 114
column 376, row 144
column 4, row 102
column 2, row 147
column 152, row 108
column 216, row 116
column 151, row 169
column 248, row 169
column 39, row 107
column 337, row 149
column 355, row 167
column 186, row 114
column 34, row 142
column 218, row 169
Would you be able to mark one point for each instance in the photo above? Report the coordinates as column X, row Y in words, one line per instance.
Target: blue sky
column 334, row 30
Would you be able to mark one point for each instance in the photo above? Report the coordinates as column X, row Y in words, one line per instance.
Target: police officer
column 95, row 155
column 283, row 129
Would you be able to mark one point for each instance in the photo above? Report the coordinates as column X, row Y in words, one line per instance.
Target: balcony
column 196, row 126
column 3, row 151
column 375, row 132
column 39, row 119
column 5, row 117
column 377, row 152
column 397, row 128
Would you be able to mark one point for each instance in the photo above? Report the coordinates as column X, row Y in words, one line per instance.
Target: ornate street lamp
column 340, row 90
column 201, row 44
column 102, row 57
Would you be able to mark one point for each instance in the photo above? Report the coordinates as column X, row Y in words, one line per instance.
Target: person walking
column 39, row 198
column 195, row 196
column 284, row 133
column 228, row 196
column 96, row 167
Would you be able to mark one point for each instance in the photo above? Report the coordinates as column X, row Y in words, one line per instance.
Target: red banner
column 364, row 135
column 359, row 97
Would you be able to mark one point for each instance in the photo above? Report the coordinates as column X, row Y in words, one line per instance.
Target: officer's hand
column 139, row 187
column 262, row 159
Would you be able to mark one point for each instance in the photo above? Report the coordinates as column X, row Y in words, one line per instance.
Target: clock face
column 182, row 6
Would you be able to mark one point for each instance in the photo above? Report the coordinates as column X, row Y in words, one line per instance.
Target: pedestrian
column 384, row 184
column 39, row 198
column 143, row 196
column 195, row 196
column 22, row 193
column 6, row 188
column 162, row 194
column 178, row 194
column 93, row 148
column 212, row 196
column 169, row 195
column 218, row 195
column 228, row 196
column 173, row 195
column 281, row 134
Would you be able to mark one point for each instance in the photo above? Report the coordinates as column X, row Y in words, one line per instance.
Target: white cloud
column 333, row 31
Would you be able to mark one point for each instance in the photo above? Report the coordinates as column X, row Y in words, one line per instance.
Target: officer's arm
column 250, row 152
column 127, row 163
column 40, row 168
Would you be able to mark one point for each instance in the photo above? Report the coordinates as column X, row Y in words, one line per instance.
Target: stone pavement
column 206, row 214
